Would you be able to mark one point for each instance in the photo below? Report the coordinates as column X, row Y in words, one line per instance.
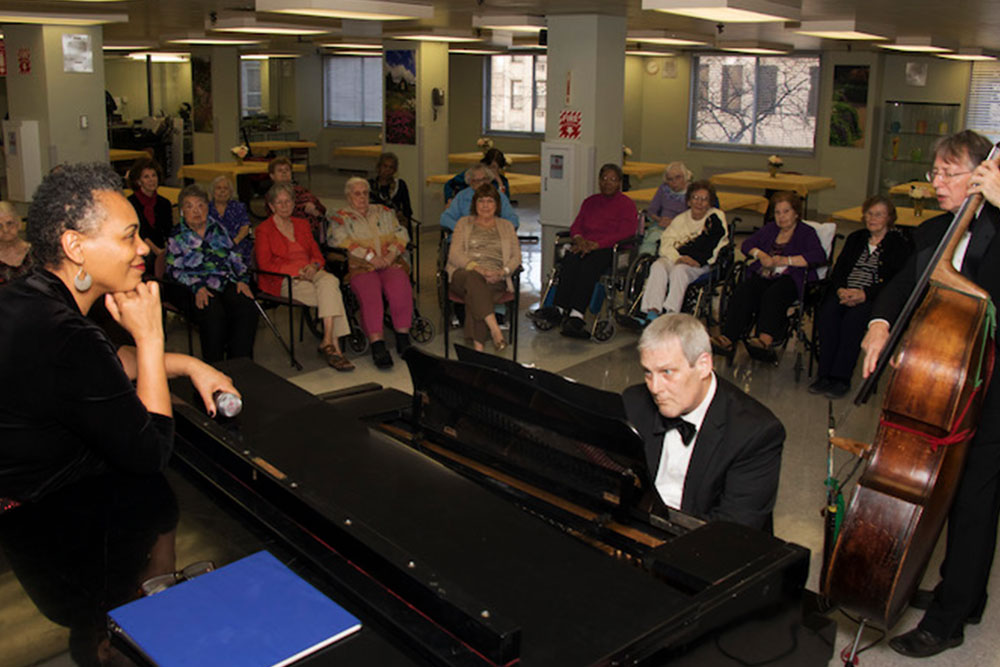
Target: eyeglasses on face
column 944, row 175
column 162, row 582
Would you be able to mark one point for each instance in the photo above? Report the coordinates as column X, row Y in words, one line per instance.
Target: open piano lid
column 561, row 435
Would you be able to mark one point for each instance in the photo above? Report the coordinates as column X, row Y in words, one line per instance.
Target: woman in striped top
column 871, row 256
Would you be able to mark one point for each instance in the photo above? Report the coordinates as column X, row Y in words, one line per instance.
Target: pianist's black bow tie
column 684, row 428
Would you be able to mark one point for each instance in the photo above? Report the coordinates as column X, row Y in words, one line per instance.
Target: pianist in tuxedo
column 712, row 450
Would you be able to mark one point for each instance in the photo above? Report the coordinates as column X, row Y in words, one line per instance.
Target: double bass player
column 960, row 597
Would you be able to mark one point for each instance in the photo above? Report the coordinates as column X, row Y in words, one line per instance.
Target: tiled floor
column 613, row 366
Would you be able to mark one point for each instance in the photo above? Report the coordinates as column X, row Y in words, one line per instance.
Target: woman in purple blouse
column 233, row 216
column 782, row 255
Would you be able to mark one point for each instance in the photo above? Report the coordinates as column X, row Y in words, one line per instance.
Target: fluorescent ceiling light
column 434, row 35
column 204, row 40
column 370, row 10
column 850, row 29
column 161, row 56
column 476, row 52
column 351, row 45
column 527, row 47
column 267, row 56
column 730, row 11
column 756, row 47
column 668, row 38
column 128, row 46
column 369, row 54
column 969, row 54
column 244, row 22
column 513, row 23
column 648, row 53
column 61, row 19
column 922, row 44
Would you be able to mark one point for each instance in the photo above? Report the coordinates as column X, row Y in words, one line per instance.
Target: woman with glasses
column 781, row 255
column 871, row 256
column 687, row 249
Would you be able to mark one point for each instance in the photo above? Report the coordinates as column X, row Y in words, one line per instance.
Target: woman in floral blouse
column 201, row 257
column 375, row 243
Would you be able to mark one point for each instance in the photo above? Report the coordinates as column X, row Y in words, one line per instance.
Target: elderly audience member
column 156, row 214
column 670, row 200
column 495, row 161
column 687, row 249
column 308, row 207
column 202, row 257
column 484, row 252
column 80, row 407
column 375, row 243
column 604, row 219
column 476, row 176
column 782, row 253
column 15, row 259
column 387, row 190
column 233, row 215
column 285, row 244
column 870, row 257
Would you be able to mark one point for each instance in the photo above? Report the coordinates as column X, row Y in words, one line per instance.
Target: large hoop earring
column 83, row 281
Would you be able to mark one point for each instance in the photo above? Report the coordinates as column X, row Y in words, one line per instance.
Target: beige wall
column 171, row 83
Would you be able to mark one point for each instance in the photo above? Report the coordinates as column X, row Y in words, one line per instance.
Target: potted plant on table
column 774, row 163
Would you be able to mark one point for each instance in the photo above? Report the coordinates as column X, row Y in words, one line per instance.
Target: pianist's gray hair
column 686, row 329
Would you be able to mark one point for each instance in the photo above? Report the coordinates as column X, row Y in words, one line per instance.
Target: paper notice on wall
column 78, row 56
column 570, row 124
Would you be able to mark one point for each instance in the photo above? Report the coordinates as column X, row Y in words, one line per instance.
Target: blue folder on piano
column 252, row 612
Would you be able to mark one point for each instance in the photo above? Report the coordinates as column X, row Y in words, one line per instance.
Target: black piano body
column 488, row 520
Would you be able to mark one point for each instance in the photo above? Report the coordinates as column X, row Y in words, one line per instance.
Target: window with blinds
column 983, row 110
column 352, row 90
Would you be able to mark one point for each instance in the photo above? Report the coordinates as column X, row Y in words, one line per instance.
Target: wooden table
column 727, row 200
column 206, row 171
column 904, row 189
column 643, row 169
column 123, row 154
column 281, row 145
column 165, row 191
column 802, row 184
column 475, row 156
column 528, row 184
column 904, row 215
column 370, row 150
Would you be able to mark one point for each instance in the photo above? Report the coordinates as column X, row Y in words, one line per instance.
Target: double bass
column 928, row 417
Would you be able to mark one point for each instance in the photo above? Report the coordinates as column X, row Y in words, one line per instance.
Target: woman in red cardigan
column 286, row 245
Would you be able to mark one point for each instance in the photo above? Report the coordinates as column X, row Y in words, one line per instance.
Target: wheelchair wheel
column 422, row 329
column 357, row 341
column 635, row 281
column 604, row 330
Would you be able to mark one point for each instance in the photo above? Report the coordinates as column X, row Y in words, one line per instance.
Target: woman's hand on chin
column 138, row 311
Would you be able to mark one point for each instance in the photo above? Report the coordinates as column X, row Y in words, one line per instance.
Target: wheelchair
column 608, row 299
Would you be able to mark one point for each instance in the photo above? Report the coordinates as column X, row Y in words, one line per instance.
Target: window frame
column 381, row 89
column 262, row 109
column 488, row 99
column 754, row 148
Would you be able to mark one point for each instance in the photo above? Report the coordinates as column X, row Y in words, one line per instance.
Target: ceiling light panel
column 46, row 18
column 369, row 10
column 513, row 23
column 730, row 11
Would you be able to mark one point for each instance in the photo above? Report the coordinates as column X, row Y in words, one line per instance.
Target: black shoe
column 549, row 314
column 919, row 643
column 819, row 386
column 923, row 598
column 380, row 355
column 402, row 342
column 575, row 327
column 837, row 389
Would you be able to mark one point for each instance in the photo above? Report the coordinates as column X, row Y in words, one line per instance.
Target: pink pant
column 369, row 288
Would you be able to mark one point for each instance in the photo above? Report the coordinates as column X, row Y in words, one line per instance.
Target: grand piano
column 495, row 517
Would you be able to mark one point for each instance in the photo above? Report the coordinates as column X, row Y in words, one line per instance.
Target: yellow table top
column 643, row 169
column 370, row 150
column 122, row 154
column 904, row 188
column 519, row 183
column 281, row 145
column 802, row 184
column 475, row 156
column 905, row 217
column 165, row 191
column 206, row 171
column 727, row 200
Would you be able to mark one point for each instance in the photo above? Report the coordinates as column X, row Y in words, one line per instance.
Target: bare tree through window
column 755, row 101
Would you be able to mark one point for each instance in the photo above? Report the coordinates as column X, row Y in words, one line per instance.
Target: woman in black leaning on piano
column 68, row 405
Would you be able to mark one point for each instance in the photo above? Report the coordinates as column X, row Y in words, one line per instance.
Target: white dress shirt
column 675, row 456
